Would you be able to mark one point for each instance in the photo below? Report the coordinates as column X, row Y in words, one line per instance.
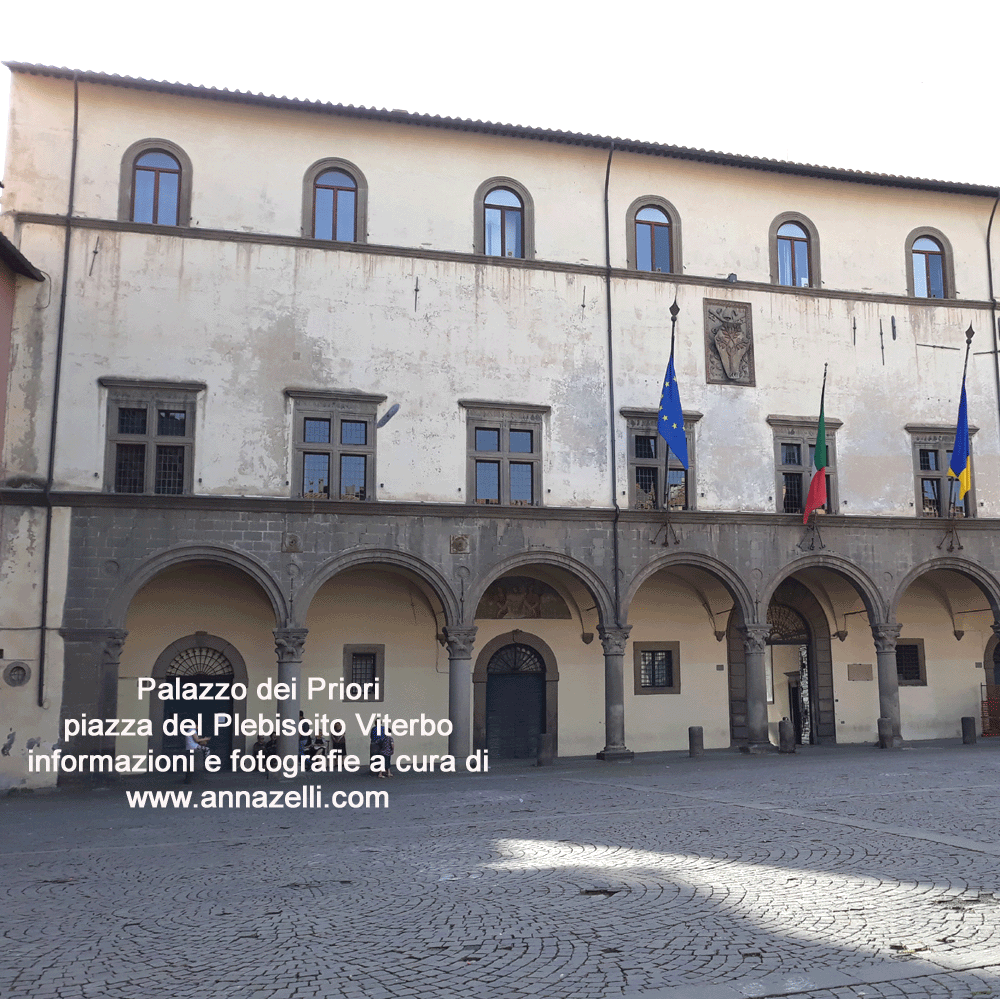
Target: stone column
column 460, row 642
column 885, row 636
column 91, row 658
column 614, row 641
column 754, row 648
column 288, row 643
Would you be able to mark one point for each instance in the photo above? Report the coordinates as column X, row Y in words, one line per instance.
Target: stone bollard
column 786, row 736
column 885, row 733
column 696, row 740
column 969, row 731
column 546, row 749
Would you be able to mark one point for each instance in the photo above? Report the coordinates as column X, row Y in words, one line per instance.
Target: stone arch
column 125, row 592
column 421, row 573
column 791, row 593
column 586, row 576
column 986, row 582
column 199, row 640
column 865, row 586
column 479, row 680
column 988, row 657
column 738, row 590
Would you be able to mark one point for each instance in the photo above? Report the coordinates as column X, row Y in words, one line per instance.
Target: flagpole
column 953, row 483
column 674, row 309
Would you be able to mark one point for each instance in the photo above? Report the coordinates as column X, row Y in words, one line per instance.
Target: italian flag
column 817, row 488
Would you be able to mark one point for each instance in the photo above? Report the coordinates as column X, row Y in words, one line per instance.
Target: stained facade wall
column 243, row 303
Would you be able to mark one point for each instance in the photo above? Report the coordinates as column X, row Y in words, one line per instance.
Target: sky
column 877, row 86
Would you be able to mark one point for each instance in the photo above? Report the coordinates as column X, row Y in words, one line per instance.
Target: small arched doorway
column 515, row 702
column 187, row 663
column 199, row 669
column 789, row 669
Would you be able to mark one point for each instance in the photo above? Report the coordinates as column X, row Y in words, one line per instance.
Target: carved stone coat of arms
column 728, row 343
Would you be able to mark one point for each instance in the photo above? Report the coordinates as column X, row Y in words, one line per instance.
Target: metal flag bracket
column 951, row 536
column 811, row 537
column 668, row 532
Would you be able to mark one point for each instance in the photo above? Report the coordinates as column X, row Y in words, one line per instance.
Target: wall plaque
column 728, row 343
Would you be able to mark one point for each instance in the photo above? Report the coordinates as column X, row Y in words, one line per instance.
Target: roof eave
column 511, row 131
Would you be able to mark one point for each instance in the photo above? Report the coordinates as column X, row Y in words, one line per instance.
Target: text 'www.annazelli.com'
column 311, row 796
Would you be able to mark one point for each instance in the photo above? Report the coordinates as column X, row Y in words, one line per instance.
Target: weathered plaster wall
column 24, row 724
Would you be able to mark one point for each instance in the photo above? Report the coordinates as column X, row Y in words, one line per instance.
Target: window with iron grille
column 794, row 459
column 365, row 664
column 363, row 667
column 657, row 667
column 936, row 492
column 504, row 451
column 333, row 450
column 910, row 669
column 653, row 474
column 150, row 436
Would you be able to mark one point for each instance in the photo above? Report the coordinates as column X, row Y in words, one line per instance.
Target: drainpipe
column 611, row 390
column 46, row 564
column 993, row 302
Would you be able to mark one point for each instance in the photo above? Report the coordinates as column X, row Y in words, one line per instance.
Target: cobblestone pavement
column 839, row 872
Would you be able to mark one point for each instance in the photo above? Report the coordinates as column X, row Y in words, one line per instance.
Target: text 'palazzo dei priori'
column 297, row 389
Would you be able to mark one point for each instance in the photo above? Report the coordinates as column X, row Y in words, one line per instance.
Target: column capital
column 996, row 628
column 614, row 640
column 460, row 642
column 755, row 636
column 288, row 643
column 111, row 651
column 108, row 642
column 885, row 635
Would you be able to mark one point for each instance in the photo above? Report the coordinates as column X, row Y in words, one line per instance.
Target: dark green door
column 515, row 703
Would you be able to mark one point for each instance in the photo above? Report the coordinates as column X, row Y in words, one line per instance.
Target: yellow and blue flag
column 960, row 466
column 670, row 423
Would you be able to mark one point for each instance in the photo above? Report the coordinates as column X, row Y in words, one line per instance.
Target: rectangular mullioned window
column 653, row 474
column 794, row 460
column 504, row 453
column 150, row 436
column 937, row 491
column 333, row 444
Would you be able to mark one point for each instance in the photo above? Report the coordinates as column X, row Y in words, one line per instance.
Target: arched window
column 928, row 268
column 793, row 255
column 155, row 186
column 653, row 236
column 930, row 265
column 652, row 240
column 335, row 206
column 794, row 252
column 503, row 224
column 335, row 202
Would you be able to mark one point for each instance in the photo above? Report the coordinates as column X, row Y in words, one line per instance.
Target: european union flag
column 960, row 465
column 671, row 419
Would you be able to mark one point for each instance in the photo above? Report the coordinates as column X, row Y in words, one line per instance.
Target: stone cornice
column 462, row 512
column 299, row 242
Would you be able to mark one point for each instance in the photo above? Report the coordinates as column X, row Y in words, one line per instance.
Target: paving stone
column 840, row 872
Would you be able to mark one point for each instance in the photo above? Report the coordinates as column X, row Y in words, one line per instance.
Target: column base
column 887, row 738
column 616, row 754
column 758, row 748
